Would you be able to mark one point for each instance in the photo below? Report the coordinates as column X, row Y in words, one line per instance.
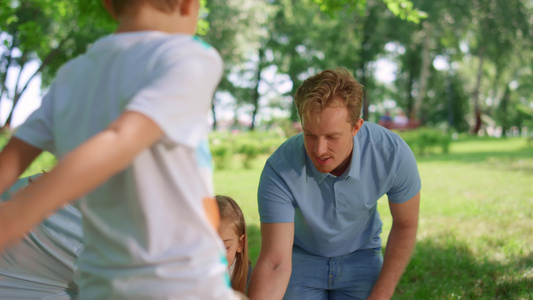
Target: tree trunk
column 424, row 72
column 450, row 98
column 214, row 115
column 409, row 93
column 504, row 110
column 9, row 59
column 256, row 95
column 294, row 117
column 293, row 75
column 18, row 93
column 365, row 57
column 364, row 81
column 475, row 94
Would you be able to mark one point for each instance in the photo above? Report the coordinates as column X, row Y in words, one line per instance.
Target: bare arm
column 273, row 269
column 94, row 161
column 400, row 245
column 16, row 156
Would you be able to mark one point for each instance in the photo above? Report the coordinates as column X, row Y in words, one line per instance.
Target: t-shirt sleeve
column 19, row 184
column 406, row 183
column 179, row 94
column 274, row 198
column 37, row 130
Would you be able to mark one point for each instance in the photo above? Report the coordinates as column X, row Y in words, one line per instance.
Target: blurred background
column 454, row 78
column 463, row 66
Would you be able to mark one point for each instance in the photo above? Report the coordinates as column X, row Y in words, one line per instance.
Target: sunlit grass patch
column 475, row 237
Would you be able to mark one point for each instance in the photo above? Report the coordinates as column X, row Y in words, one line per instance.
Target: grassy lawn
column 475, row 236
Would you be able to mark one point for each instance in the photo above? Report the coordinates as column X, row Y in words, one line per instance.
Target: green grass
column 475, row 238
column 42, row 163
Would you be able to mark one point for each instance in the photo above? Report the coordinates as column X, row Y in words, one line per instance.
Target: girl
column 232, row 231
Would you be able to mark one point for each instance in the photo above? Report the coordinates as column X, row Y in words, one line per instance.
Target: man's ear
column 109, row 7
column 357, row 126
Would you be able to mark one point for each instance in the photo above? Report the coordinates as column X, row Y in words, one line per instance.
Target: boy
column 128, row 121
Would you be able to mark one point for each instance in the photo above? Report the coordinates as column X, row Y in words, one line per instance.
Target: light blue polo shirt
column 334, row 215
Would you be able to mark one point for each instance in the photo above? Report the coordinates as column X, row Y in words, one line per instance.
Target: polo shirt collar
column 355, row 164
column 354, row 170
column 319, row 177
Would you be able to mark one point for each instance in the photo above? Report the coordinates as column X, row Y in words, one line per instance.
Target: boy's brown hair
column 122, row 6
column 322, row 89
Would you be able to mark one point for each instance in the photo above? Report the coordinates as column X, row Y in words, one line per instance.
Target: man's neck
column 343, row 166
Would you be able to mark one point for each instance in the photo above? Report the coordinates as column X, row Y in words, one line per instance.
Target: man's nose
column 321, row 146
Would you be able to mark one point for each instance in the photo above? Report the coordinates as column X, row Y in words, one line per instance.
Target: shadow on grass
column 451, row 271
column 448, row 270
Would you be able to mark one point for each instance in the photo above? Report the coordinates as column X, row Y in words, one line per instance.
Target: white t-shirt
column 41, row 265
column 146, row 232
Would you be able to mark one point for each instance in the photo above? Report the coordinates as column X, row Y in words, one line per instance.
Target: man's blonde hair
column 326, row 88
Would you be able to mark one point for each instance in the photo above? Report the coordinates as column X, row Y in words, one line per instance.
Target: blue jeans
column 350, row 276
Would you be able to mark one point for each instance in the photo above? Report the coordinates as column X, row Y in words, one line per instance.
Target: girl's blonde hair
column 231, row 212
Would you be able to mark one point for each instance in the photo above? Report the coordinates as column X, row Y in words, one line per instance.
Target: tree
column 374, row 30
column 368, row 17
column 499, row 30
column 235, row 31
column 438, row 34
column 305, row 40
column 49, row 32
column 401, row 8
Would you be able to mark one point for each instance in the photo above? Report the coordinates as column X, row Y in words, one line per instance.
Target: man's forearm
column 269, row 282
column 400, row 246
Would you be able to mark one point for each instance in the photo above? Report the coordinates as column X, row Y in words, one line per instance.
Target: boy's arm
column 80, row 171
column 16, row 156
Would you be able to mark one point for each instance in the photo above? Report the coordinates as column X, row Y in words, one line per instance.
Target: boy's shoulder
column 146, row 45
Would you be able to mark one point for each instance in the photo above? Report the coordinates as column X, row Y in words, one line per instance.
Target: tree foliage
column 404, row 9
column 459, row 64
column 49, row 32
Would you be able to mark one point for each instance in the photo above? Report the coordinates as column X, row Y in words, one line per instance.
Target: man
column 318, row 201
